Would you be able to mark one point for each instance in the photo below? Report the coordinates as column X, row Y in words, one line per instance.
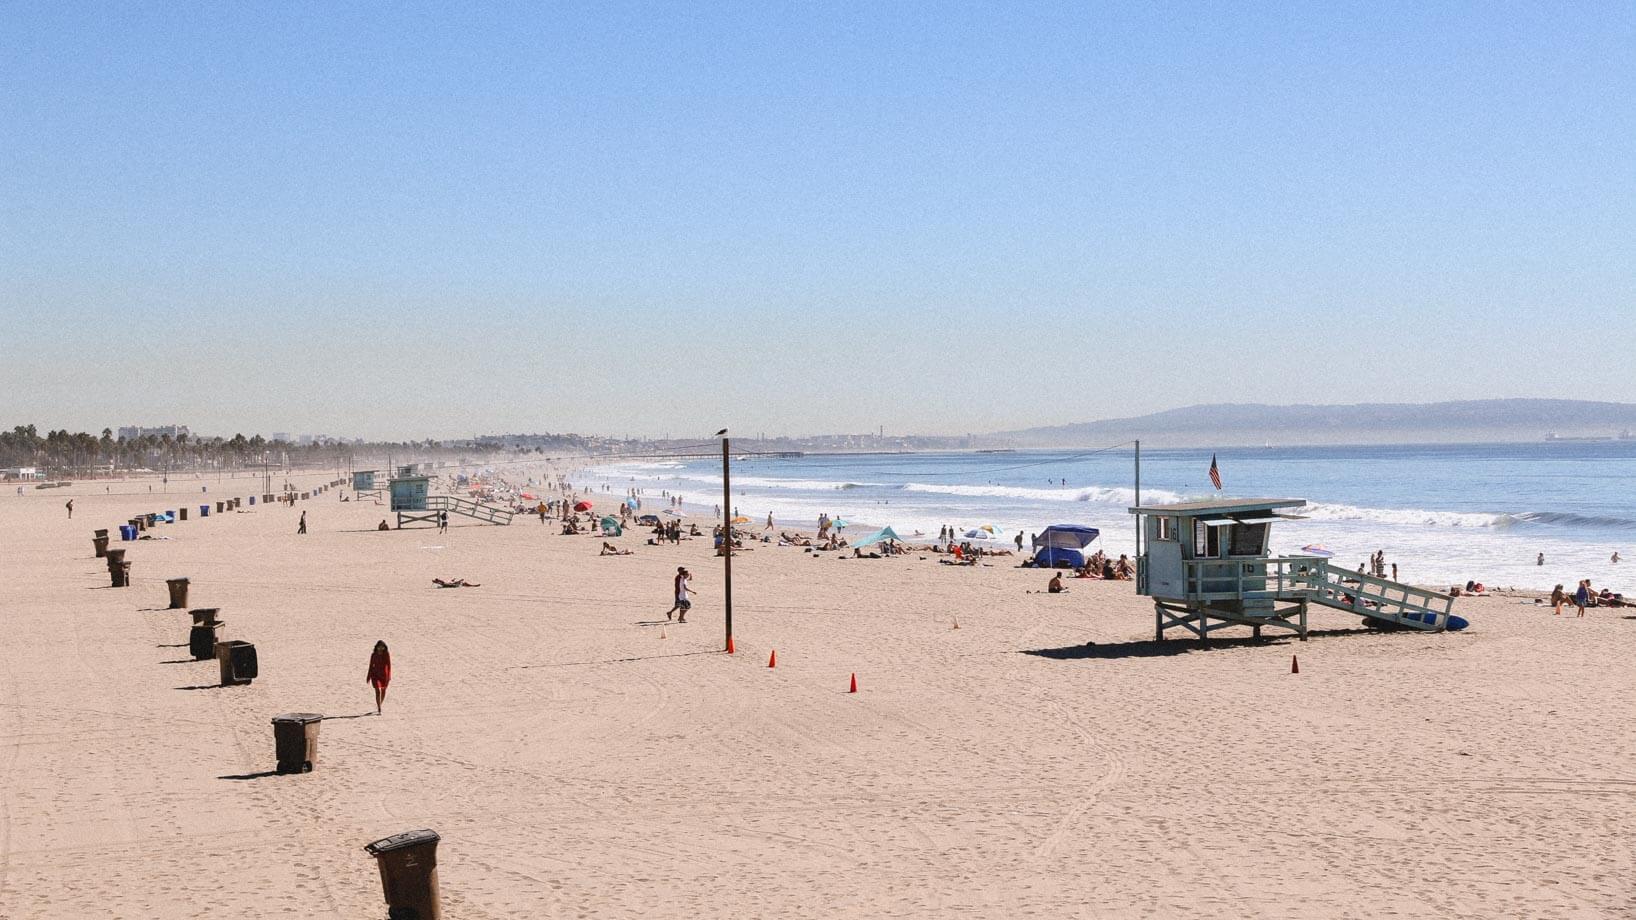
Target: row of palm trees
column 81, row 453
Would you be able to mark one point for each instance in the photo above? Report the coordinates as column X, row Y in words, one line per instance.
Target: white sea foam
column 1323, row 511
column 1111, row 495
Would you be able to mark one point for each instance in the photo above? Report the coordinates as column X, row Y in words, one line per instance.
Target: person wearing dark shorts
column 684, row 601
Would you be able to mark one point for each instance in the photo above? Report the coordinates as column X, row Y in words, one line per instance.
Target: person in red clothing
column 380, row 673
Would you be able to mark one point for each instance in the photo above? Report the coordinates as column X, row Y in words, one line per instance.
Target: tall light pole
column 727, row 537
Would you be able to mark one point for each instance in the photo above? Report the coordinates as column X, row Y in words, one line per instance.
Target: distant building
column 132, row 432
column 21, row 472
column 281, row 436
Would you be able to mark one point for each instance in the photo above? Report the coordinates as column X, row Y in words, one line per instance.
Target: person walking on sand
column 1019, row 542
column 301, row 527
column 70, row 509
column 380, row 673
column 684, row 598
column 442, row 521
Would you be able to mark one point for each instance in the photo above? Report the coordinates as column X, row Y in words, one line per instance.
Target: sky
column 401, row 221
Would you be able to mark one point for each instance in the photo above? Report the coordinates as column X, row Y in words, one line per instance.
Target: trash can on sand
column 408, row 865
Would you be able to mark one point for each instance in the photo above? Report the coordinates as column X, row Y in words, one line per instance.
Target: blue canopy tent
column 879, row 536
column 1061, row 546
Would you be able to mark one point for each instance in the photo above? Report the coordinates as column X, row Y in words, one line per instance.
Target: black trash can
column 220, row 507
column 120, row 575
column 181, row 513
column 202, row 639
column 141, row 522
column 408, row 865
column 178, row 593
column 205, row 615
column 113, row 556
column 295, row 741
column 99, row 543
column 237, row 660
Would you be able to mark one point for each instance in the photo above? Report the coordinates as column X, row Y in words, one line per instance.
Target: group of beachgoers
column 1584, row 596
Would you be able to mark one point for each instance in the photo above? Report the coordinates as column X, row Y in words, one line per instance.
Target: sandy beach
column 583, row 758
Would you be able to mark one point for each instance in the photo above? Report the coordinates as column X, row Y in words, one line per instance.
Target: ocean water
column 1444, row 514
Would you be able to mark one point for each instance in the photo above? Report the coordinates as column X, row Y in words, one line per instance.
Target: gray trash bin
column 408, row 864
column 178, row 593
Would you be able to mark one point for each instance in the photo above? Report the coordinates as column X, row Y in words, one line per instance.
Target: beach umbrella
column 1316, row 549
column 531, row 496
column 582, row 506
column 838, row 524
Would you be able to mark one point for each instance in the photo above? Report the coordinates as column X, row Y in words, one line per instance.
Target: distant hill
column 1254, row 424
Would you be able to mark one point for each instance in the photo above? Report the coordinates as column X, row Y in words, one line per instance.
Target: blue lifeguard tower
column 1207, row 567
column 412, row 499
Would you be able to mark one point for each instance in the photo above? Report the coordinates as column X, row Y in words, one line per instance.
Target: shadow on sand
column 263, row 774
column 1149, row 648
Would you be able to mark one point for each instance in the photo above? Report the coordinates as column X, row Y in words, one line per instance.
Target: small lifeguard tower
column 364, row 485
column 409, row 492
column 1207, row 567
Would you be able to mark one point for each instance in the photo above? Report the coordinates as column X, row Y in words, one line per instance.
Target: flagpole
column 727, row 540
column 1138, row 499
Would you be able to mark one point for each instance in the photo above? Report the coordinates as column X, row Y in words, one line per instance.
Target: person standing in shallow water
column 380, row 673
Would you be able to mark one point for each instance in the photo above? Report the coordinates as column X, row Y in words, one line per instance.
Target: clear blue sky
column 376, row 220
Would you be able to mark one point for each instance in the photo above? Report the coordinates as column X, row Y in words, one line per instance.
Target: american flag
column 1215, row 473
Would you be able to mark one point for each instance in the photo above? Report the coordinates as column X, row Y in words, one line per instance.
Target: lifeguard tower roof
column 1226, row 506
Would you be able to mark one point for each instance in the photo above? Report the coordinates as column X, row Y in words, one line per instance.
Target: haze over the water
column 632, row 220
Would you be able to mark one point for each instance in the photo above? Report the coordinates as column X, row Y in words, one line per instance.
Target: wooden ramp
column 454, row 504
column 1380, row 599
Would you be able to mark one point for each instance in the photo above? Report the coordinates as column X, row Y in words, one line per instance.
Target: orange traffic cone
column 772, row 660
column 1294, row 665
column 729, row 645
column 854, row 684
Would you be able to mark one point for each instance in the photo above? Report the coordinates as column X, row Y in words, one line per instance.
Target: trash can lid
column 301, row 717
column 399, row 841
column 176, row 581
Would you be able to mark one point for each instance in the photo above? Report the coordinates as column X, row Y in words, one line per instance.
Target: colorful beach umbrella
column 1317, row 549
column 582, row 506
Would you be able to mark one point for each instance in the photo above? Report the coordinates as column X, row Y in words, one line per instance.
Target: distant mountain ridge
column 1258, row 423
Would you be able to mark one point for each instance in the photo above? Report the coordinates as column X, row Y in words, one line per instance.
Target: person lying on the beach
column 1609, row 599
column 858, row 553
column 608, row 549
column 455, row 583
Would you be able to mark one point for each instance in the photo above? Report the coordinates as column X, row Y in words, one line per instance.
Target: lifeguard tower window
column 1166, row 528
column 1206, row 541
column 1247, row 539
